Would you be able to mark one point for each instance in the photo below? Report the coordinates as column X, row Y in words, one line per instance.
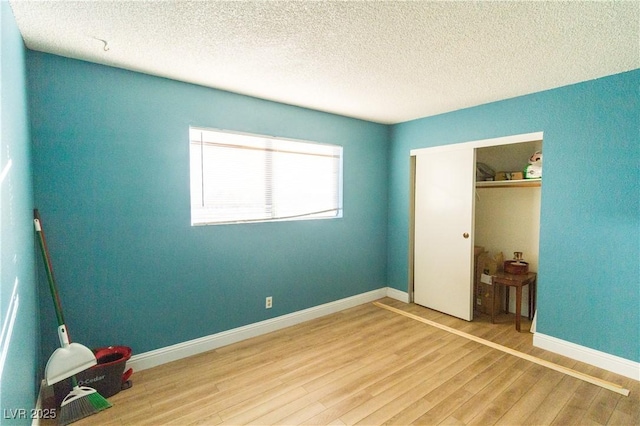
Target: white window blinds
column 239, row 178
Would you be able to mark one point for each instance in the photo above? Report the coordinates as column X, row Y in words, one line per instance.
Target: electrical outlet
column 268, row 302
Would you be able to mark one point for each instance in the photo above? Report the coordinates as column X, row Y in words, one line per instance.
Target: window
column 237, row 178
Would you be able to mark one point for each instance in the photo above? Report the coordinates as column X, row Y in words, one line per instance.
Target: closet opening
column 491, row 187
column 506, row 226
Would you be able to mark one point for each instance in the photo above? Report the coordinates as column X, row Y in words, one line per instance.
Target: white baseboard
column 402, row 296
column 193, row 347
column 603, row 360
column 43, row 394
column 36, row 420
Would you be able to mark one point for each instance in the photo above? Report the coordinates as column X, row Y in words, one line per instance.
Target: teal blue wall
column 111, row 167
column 20, row 371
column 589, row 260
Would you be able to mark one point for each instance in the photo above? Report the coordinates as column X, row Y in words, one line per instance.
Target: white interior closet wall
column 508, row 220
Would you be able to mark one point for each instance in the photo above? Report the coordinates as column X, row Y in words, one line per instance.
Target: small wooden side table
column 518, row 281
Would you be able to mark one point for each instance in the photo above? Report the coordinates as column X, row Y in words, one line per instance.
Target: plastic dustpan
column 69, row 359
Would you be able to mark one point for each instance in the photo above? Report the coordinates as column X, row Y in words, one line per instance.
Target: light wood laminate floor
column 369, row 366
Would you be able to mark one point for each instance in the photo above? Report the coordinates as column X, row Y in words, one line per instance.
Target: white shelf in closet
column 519, row 183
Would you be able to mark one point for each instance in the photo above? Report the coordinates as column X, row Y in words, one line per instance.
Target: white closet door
column 444, row 200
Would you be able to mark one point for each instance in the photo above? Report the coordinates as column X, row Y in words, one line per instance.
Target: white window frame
column 271, row 195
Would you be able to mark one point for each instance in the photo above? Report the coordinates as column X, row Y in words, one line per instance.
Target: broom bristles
column 80, row 403
column 98, row 401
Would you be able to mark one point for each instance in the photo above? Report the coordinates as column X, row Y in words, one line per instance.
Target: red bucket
column 107, row 376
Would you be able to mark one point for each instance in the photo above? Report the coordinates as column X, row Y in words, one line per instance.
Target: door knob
column 465, row 235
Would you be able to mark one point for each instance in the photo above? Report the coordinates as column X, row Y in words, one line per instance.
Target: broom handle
column 47, row 262
column 50, row 278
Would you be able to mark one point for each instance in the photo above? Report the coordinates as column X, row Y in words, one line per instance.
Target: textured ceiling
column 386, row 62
